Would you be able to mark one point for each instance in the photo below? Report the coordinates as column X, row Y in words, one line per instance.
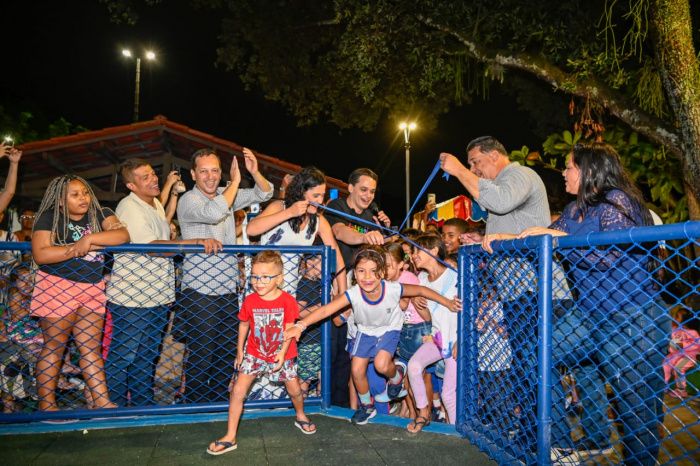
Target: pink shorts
column 57, row 297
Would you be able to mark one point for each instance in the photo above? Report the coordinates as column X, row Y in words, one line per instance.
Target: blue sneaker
column 397, row 390
column 363, row 415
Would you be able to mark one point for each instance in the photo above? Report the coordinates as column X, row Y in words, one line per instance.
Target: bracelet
column 342, row 318
column 300, row 325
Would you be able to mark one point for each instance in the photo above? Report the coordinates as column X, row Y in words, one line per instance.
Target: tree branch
column 618, row 105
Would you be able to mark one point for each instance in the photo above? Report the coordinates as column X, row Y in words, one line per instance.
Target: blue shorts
column 412, row 339
column 367, row 346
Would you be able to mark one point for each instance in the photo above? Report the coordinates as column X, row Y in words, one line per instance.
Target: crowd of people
column 394, row 338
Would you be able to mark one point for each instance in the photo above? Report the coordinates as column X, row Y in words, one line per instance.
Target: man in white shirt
column 141, row 289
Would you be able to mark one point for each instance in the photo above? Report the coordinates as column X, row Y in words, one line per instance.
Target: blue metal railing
column 71, row 403
column 524, row 434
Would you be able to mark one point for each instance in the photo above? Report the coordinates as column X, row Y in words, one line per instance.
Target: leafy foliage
column 26, row 127
column 355, row 63
column 658, row 175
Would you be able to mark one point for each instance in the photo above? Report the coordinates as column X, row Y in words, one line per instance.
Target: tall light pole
column 407, row 127
column 149, row 55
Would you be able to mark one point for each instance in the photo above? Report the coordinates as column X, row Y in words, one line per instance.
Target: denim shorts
column 367, row 346
column 412, row 339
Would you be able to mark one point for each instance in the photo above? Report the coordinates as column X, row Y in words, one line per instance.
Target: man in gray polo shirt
column 209, row 283
column 513, row 195
column 515, row 198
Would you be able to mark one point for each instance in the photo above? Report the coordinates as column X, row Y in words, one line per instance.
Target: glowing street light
column 149, row 55
column 407, row 127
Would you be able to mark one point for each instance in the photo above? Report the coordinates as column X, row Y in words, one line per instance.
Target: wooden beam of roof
column 90, row 137
column 85, row 174
column 54, row 163
column 105, row 152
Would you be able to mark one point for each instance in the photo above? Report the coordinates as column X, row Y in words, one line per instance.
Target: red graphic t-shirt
column 267, row 320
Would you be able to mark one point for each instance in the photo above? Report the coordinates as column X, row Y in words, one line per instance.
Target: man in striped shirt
column 209, row 283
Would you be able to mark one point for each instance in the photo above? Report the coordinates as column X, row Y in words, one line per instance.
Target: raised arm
column 275, row 214
column 326, row 234
column 251, row 164
column 338, row 303
column 14, row 155
column 450, row 164
column 171, row 207
column 454, row 304
column 170, row 181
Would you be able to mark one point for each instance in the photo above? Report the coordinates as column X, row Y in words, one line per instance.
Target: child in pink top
column 682, row 354
column 416, row 323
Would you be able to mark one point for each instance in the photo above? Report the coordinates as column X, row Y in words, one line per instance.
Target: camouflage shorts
column 254, row 366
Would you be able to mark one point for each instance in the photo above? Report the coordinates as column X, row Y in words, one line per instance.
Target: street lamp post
column 137, row 85
column 407, row 128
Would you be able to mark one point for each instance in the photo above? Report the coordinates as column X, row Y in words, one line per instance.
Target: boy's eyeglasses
column 264, row 279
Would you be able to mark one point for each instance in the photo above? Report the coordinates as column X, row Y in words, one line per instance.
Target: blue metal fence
column 190, row 303
column 563, row 345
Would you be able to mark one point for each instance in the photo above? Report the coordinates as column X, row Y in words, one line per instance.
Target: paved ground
column 262, row 441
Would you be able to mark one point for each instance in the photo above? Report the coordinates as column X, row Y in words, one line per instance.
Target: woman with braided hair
column 68, row 296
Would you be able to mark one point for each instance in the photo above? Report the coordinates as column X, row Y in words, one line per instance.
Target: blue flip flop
column 228, row 446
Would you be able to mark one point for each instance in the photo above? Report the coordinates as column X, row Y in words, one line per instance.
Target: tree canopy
column 355, row 63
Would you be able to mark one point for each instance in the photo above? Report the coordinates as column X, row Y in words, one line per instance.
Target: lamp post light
column 407, row 127
column 149, row 55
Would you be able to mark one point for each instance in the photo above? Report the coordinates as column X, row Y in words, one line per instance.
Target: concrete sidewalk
column 261, row 441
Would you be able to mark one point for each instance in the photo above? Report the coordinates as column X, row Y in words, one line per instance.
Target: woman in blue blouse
column 626, row 319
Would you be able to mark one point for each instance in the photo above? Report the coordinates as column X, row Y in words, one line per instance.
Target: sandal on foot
column 307, row 427
column 228, row 446
column 418, row 423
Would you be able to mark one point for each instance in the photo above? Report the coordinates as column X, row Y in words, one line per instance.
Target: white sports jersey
column 375, row 318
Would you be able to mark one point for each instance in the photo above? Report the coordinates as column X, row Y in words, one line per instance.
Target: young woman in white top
column 442, row 343
column 295, row 222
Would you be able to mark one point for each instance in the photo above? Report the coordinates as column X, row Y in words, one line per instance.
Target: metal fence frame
column 328, row 267
column 546, row 246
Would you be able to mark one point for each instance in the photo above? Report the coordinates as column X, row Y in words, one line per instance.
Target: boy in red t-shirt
column 263, row 317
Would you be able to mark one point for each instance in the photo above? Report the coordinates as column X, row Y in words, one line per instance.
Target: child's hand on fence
column 455, row 304
column 279, row 361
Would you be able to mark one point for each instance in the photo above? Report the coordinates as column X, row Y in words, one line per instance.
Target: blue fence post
column 328, row 267
column 544, row 350
column 461, row 354
column 467, row 377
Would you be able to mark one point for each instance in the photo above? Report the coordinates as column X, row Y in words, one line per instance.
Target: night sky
column 64, row 60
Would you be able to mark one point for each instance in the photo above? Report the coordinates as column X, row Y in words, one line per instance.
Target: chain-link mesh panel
column 140, row 329
column 623, row 357
column 501, row 351
column 611, row 401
